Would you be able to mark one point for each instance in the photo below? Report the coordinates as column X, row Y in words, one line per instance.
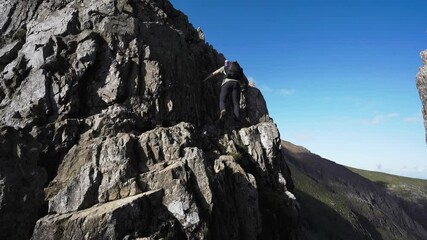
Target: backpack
column 233, row 71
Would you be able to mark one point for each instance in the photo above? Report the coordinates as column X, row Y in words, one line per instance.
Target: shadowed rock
column 21, row 183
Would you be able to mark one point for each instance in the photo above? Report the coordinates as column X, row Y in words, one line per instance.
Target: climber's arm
column 216, row 72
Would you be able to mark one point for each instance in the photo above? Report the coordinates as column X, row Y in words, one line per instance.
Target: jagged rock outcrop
column 422, row 86
column 102, row 105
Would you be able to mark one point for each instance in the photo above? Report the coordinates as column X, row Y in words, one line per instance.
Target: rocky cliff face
column 422, row 86
column 108, row 132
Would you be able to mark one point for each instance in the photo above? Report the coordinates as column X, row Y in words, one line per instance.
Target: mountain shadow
column 319, row 221
column 341, row 204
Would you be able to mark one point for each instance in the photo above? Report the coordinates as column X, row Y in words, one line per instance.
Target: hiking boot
column 222, row 114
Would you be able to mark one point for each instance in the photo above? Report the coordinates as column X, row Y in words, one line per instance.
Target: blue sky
column 338, row 76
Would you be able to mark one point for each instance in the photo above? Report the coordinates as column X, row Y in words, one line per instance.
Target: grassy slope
column 328, row 214
column 331, row 212
column 322, row 209
column 412, row 192
column 411, row 189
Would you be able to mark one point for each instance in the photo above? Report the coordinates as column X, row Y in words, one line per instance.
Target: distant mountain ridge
column 343, row 203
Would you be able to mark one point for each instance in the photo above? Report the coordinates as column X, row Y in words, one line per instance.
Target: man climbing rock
column 234, row 81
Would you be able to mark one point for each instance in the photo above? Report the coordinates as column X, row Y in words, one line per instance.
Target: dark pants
column 234, row 88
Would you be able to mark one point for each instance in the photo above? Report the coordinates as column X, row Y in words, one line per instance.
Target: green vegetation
column 309, row 186
column 331, row 213
column 323, row 208
column 338, row 202
column 236, row 156
column 411, row 189
column 20, row 34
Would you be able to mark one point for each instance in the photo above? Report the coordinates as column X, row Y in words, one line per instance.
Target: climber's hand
column 210, row 75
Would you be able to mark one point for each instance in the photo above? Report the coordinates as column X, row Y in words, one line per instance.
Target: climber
column 233, row 82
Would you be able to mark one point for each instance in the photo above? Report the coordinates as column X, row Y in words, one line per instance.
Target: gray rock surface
column 422, row 86
column 109, row 132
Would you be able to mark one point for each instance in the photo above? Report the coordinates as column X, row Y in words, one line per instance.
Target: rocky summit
column 422, row 86
column 107, row 130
